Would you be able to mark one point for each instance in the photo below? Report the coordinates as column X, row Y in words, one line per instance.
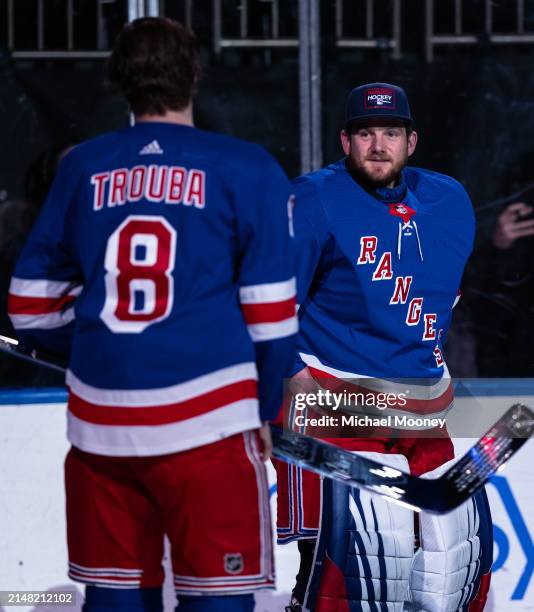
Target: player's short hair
column 155, row 63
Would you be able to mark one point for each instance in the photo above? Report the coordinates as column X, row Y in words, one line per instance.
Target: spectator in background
column 505, row 306
column 514, row 223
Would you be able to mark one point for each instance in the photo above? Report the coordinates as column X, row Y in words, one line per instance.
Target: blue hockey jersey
column 378, row 275
column 162, row 262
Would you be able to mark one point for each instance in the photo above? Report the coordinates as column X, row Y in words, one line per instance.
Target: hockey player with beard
column 382, row 249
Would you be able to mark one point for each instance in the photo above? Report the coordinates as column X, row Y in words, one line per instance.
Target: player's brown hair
column 155, row 63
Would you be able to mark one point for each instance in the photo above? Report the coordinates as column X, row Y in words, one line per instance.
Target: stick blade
column 492, row 451
column 439, row 495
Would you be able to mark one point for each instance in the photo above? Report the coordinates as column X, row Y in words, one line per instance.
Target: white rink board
column 32, row 524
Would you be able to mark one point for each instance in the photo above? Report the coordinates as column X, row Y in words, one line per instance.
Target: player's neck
column 183, row 117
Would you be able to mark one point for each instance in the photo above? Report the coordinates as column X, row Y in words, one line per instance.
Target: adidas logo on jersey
column 152, row 148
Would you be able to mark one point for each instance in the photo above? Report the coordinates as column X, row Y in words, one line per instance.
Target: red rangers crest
column 402, row 210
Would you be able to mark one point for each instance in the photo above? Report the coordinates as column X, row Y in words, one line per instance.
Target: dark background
column 474, row 111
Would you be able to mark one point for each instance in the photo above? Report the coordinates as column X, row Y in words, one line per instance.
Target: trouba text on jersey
column 167, row 184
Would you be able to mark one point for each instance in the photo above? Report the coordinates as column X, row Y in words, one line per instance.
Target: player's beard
column 376, row 179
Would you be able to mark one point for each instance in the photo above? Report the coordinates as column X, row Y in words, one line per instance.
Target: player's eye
column 363, row 133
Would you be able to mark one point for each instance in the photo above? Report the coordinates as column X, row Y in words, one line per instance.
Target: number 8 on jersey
column 139, row 261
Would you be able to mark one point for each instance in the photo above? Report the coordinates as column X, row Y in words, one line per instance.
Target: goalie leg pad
column 485, row 535
column 365, row 549
column 453, row 556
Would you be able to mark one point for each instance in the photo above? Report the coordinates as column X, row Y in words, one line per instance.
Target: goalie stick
column 438, row 495
column 434, row 495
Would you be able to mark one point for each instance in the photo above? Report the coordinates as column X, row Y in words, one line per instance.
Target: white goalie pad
column 447, row 564
column 381, row 546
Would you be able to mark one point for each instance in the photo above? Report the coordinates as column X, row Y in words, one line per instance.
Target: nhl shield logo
column 233, row 563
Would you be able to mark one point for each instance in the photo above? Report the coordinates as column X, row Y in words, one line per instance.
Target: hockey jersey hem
column 148, row 441
column 178, row 393
column 428, row 398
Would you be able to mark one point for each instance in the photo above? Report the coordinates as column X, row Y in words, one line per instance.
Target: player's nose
column 377, row 143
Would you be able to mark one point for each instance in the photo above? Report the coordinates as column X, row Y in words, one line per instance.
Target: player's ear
column 412, row 142
column 345, row 141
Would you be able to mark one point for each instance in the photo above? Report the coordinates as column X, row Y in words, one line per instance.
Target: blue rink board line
column 482, row 387
column 41, row 395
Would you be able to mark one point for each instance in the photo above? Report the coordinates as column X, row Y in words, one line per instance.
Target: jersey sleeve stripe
column 269, row 312
column 29, row 305
column 41, row 303
column 43, row 288
column 261, row 332
column 161, row 415
column 268, row 292
column 52, row 320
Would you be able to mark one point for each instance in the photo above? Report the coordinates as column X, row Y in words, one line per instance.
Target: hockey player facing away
column 162, row 262
column 381, row 253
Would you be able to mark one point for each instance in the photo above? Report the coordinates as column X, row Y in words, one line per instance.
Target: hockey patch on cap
column 380, row 97
column 233, row 563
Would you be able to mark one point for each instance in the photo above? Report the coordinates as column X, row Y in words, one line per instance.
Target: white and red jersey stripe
column 269, row 309
column 145, row 422
column 427, row 399
column 41, row 304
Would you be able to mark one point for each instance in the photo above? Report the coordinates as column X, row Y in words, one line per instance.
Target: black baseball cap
column 378, row 100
